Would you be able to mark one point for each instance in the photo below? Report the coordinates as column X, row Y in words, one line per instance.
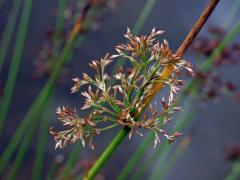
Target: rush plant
column 121, row 103
column 153, row 66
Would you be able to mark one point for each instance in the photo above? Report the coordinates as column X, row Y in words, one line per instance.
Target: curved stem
column 15, row 62
column 8, row 30
column 166, row 72
column 107, row 153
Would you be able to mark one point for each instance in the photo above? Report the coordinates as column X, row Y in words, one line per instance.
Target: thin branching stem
column 109, row 127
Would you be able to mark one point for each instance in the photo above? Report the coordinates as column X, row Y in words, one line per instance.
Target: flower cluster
column 88, row 13
column 81, row 128
column 120, row 100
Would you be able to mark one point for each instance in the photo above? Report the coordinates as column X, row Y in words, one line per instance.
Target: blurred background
column 210, row 144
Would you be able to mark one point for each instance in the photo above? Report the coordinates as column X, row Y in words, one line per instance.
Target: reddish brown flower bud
column 120, row 70
column 215, row 30
column 231, row 86
column 232, row 152
column 129, row 71
column 211, row 94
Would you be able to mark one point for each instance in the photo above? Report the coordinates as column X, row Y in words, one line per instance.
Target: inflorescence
column 120, row 100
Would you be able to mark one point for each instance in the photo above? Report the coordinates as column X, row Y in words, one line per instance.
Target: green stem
column 235, row 171
column 106, row 155
column 138, row 26
column 43, row 134
column 60, row 19
column 143, row 16
column 164, row 148
column 166, row 166
column 52, row 171
column 181, row 124
column 36, row 108
column 17, row 54
column 227, row 40
column 73, row 157
column 8, row 31
column 128, row 168
column 234, row 9
column 31, row 115
column 29, row 119
column 21, row 153
column 142, row 168
column 1, row 3
column 41, row 146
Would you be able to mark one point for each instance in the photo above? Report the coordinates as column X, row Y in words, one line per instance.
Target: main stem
column 157, row 87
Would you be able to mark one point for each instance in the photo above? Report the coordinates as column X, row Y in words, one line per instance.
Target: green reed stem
column 21, row 153
column 181, row 122
column 17, row 54
column 234, row 9
column 42, row 140
column 163, row 149
column 138, row 26
column 43, row 134
column 39, row 103
column 37, row 106
column 1, row 3
column 142, row 18
column 167, row 166
column 128, row 168
column 60, row 18
column 8, row 31
column 31, row 115
column 161, row 162
column 72, row 159
column 106, row 155
column 52, row 171
column 235, row 171
column 208, row 65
